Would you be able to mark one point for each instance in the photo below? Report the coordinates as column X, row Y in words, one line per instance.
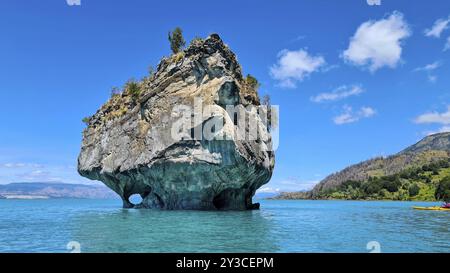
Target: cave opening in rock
column 220, row 201
column 135, row 199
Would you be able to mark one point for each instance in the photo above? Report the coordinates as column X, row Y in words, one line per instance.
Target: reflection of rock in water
column 175, row 231
column 129, row 145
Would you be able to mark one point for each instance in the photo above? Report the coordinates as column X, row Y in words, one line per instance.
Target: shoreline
column 359, row 200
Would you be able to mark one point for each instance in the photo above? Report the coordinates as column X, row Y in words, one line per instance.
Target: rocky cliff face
column 130, row 146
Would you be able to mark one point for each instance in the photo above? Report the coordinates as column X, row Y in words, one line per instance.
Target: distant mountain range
column 41, row 190
column 265, row 195
column 410, row 174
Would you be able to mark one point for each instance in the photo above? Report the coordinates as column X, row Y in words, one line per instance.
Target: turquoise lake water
column 280, row 226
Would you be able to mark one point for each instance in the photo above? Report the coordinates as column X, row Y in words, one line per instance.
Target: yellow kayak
column 431, row 208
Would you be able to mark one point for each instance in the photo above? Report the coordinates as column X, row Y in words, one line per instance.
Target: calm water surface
column 280, row 226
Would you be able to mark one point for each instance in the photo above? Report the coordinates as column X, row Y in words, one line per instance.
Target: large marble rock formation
column 129, row 143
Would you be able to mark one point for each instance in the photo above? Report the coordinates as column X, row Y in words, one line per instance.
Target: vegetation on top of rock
column 196, row 40
column 176, row 40
column 86, row 120
column 175, row 58
column 252, row 82
column 124, row 99
column 250, row 86
column 133, row 88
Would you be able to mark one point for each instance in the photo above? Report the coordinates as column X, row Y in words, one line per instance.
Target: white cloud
column 447, row 45
column 33, row 172
column 12, row 165
column 350, row 116
column 39, row 176
column 367, row 112
column 268, row 190
column 294, row 66
column 439, row 26
column 298, row 38
column 292, row 184
column 429, row 67
column 434, row 117
column 346, row 117
column 19, row 165
column 443, row 129
column 339, row 93
column 432, row 78
column 288, row 184
column 378, row 43
column 442, row 118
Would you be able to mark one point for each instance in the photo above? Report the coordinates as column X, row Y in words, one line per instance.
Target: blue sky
column 352, row 81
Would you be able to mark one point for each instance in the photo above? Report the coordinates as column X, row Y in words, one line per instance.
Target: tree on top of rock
column 176, row 40
column 252, row 82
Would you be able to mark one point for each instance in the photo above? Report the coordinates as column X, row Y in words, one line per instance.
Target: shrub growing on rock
column 133, row 88
column 252, row 82
column 176, row 40
column 86, row 120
